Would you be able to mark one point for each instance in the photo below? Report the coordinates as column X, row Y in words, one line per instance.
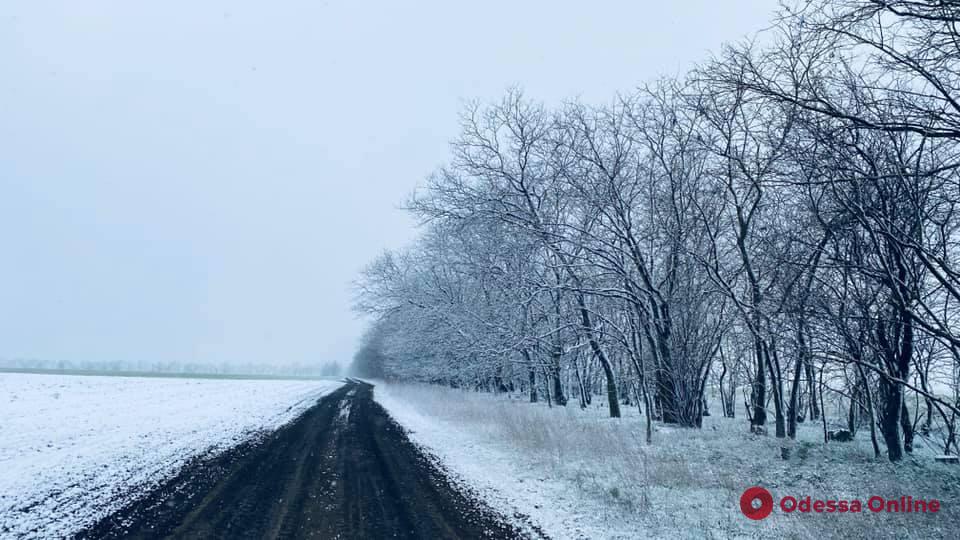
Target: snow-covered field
column 74, row 448
column 578, row 474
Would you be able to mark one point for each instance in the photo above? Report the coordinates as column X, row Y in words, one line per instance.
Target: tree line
column 777, row 226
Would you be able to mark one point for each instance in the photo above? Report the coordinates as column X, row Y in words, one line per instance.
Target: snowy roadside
column 578, row 474
column 510, row 484
column 75, row 448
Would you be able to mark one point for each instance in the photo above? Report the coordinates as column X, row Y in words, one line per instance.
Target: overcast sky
column 199, row 181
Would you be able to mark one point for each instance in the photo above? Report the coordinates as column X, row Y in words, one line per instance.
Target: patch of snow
column 75, row 448
column 579, row 474
column 344, row 413
column 506, row 481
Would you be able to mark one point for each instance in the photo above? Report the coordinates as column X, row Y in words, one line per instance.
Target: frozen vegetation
column 578, row 474
column 771, row 237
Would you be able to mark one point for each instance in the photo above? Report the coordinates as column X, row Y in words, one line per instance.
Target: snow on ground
column 493, row 469
column 74, row 448
column 578, row 474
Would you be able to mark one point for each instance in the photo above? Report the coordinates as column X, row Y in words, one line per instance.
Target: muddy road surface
column 344, row 469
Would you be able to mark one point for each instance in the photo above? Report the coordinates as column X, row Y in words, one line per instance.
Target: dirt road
column 343, row 469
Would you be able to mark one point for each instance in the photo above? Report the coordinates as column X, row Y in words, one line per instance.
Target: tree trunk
column 637, row 359
column 558, row 395
column 613, row 401
column 581, row 390
column 794, row 398
column 907, row 427
column 870, row 410
column 546, row 388
column 811, row 389
column 776, row 385
column 723, row 394
column 758, row 394
column 823, row 417
column 892, row 400
column 852, row 411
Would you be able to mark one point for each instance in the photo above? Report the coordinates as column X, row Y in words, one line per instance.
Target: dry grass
column 688, row 482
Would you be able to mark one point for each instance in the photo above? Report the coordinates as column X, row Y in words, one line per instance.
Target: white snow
column 578, row 474
column 344, row 413
column 500, row 476
column 74, row 448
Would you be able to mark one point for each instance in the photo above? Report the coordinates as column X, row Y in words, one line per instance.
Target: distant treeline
column 321, row 369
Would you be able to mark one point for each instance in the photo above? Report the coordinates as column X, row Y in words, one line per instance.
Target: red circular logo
column 756, row 493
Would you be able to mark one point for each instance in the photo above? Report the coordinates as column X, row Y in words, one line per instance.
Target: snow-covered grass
column 74, row 448
column 581, row 475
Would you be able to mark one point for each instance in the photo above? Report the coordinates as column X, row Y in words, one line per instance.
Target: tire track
column 344, row 469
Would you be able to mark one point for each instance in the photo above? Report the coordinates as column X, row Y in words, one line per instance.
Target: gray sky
column 200, row 181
